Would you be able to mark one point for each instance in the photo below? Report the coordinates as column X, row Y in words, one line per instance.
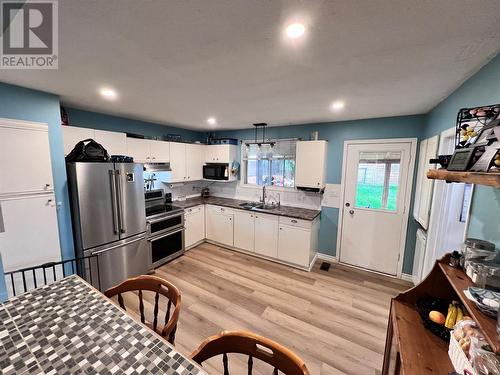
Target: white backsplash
column 234, row 190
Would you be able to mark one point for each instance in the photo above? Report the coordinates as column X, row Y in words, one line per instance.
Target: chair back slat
column 167, row 314
column 120, row 301
column 155, row 312
column 160, row 287
column 250, row 364
column 141, row 307
column 243, row 342
column 226, row 364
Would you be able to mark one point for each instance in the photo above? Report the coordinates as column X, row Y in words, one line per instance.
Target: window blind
column 282, row 149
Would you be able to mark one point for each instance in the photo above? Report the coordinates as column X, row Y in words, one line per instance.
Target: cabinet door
column 139, row 149
column 195, row 225
column 25, row 160
column 195, row 158
column 73, row 134
column 294, row 245
column 115, row 143
column 310, row 162
column 219, row 226
column 266, row 235
column 177, row 162
column 28, row 231
column 210, row 155
column 244, row 228
column 160, row 151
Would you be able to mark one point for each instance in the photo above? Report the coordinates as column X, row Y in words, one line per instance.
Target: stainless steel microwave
column 216, row 171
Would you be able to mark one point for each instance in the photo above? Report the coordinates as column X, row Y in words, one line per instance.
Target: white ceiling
column 179, row 62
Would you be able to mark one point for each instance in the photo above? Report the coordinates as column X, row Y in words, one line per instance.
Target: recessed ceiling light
column 108, row 93
column 338, row 105
column 211, row 121
column 295, row 30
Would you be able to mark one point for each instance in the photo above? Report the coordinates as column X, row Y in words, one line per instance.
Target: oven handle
column 151, row 239
column 164, row 218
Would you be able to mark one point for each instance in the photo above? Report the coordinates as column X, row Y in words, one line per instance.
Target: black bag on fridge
column 88, row 150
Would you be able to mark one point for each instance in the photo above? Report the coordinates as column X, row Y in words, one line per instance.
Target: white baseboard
column 329, row 258
column 406, row 277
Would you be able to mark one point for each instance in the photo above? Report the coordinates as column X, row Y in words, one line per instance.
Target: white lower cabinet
column 266, row 235
column 294, row 245
column 244, row 230
column 194, row 222
column 219, row 221
column 289, row 240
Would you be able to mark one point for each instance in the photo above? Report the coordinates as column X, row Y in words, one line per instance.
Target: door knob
column 347, row 204
column 351, row 212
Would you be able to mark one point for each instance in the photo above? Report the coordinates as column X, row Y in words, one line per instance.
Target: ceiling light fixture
column 108, row 93
column 295, row 30
column 338, row 105
column 211, row 121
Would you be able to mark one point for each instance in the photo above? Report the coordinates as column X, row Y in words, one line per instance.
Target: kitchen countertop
column 68, row 327
column 295, row 212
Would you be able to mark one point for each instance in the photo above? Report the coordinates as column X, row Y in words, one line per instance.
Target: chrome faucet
column 263, row 199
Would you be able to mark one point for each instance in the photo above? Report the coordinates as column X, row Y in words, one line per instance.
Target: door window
column 377, row 183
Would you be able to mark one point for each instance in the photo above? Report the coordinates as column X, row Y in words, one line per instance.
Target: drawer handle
column 294, row 221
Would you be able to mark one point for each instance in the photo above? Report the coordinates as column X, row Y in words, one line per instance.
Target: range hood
column 157, row 167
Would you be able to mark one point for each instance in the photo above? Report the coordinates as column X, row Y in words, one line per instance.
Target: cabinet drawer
column 219, row 209
column 193, row 210
column 295, row 222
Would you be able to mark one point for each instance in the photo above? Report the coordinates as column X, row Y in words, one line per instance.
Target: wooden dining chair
column 255, row 346
column 160, row 287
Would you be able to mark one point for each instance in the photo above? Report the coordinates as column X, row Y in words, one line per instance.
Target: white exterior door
column 244, row 230
column 266, row 235
column 377, row 179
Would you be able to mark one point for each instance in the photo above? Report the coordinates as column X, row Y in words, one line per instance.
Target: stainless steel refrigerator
column 109, row 220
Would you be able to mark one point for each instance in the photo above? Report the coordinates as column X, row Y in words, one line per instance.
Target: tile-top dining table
column 68, row 327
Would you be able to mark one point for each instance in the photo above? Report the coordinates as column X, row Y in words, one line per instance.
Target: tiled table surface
column 68, row 327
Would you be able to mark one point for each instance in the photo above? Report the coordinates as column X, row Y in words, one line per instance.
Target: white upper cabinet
column 178, row 162
column 310, row 164
column 195, row 158
column 220, row 153
column 159, row 151
column 139, row 149
column 74, row 134
column 25, row 158
column 424, row 186
column 266, row 235
column 115, row 143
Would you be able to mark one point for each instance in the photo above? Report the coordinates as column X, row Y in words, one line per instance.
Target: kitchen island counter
column 68, row 327
column 288, row 211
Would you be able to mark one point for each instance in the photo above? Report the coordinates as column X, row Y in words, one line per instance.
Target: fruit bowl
column 424, row 306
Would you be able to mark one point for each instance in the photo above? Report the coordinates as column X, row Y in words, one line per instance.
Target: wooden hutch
column 410, row 348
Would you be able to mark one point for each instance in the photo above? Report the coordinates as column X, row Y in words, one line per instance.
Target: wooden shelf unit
column 479, row 178
column 412, row 349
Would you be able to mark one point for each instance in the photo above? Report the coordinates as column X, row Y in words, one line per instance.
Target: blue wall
column 481, row 89
column 86, row 119
column 30, row 105
column 336, row 133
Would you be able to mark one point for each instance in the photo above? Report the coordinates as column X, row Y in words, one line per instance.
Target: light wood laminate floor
column 335, row 321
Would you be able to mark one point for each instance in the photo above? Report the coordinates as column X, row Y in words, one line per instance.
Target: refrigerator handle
column 2, row 226
column 113, row 201
column 119, row 200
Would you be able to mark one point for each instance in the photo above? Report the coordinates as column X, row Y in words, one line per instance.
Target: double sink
column 257, row 206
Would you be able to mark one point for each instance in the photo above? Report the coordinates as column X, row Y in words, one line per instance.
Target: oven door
column 155, row 227
column 166, row 247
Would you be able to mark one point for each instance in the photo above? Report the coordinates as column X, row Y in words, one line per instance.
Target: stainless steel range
column 164, row 227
